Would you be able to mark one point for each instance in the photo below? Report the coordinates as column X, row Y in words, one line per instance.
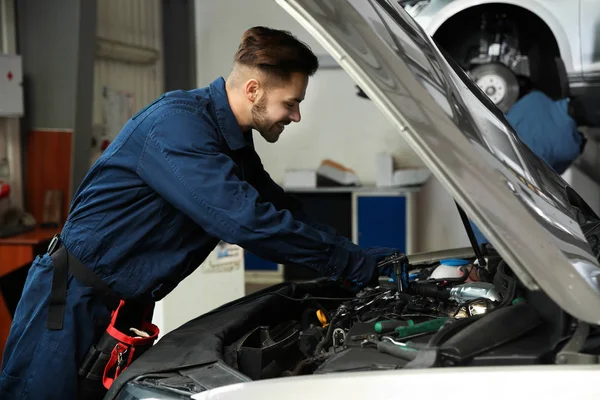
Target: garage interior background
column 338, row 124
column 90, row 64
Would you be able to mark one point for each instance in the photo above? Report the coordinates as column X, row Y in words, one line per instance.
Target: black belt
column 64, row 262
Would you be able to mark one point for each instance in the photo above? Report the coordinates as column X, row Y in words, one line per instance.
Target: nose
column 295, row 116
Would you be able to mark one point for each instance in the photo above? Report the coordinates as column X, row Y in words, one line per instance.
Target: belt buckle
column 53, row 244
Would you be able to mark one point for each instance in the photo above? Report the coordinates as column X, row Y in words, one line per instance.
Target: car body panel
column 517, row 201
column 492, row 383
column 589, row 26
column 561, row 16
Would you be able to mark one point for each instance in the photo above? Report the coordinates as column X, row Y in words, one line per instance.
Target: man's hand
column 379, row 254
column 360, row 269
column 362, row 265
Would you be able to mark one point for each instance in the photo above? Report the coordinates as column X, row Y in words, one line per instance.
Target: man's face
column 279, row 105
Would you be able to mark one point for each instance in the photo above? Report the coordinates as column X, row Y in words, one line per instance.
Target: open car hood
column 522, row 206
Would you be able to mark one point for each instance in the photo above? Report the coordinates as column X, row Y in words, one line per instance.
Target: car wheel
column 498, row 82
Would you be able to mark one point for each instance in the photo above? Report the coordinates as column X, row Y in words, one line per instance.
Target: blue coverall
column 546, row 127
column 180, row 176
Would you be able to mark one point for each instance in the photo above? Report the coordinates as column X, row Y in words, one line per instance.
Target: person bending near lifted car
column 181, row 175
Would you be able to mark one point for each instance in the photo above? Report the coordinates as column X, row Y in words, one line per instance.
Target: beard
column 268, row 129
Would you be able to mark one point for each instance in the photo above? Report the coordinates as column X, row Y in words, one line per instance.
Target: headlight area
column 181, row 384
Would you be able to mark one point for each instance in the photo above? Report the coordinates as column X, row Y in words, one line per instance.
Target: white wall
column 335, row 124
column 438, row 223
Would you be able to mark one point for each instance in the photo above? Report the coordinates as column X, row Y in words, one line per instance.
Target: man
column 180, row 176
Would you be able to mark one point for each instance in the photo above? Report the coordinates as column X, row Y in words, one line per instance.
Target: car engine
column 431, row 313
column 439, row 309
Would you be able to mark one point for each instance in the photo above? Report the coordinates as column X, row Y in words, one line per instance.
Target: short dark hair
column 275, row 52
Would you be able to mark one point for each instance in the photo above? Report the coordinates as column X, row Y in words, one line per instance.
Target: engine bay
column 432, row 313
column 437, row 310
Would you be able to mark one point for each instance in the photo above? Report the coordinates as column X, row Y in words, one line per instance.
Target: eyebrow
column 295, row 99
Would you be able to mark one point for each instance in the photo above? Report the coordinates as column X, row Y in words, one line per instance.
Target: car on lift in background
column 555, row 43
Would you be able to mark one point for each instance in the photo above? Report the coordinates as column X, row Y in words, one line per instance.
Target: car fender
column 567, row 50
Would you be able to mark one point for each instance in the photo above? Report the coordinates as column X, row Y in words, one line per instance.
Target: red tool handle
column 4, row 190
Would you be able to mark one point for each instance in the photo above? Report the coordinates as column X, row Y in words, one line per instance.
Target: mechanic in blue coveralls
column 547, row 127
column 181, row 175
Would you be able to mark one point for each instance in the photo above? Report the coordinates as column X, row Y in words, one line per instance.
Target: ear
column 252, row 89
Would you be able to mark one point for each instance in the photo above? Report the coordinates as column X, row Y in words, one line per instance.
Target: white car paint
column 489, row 383
column 575, row 25
column 589, row 26
column 562, row 17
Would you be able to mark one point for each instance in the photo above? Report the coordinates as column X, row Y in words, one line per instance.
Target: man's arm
column 272, row 192
column 182, row 162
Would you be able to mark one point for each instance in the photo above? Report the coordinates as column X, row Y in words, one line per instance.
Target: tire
column 498, row 82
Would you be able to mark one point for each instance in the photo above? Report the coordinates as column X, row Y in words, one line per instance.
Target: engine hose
column 430, row 291
column 450, row 328
column 299, row 367
column 326, row 339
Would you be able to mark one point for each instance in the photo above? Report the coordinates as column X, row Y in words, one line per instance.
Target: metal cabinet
column 382, row 219
column 367, row 216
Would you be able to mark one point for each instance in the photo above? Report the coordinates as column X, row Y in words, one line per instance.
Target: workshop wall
column 10, row 140
column 128, row 71
column 56, row 40
column 439, row 225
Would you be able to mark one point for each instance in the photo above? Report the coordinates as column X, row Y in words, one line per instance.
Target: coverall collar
column 228, row 125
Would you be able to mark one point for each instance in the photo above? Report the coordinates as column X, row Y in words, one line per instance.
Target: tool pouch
column 117, row 348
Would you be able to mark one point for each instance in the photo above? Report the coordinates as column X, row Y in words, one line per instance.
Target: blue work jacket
column 180, row 176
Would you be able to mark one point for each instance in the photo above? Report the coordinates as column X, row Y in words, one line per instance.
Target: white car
column 496, row 39
column 517, row 319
